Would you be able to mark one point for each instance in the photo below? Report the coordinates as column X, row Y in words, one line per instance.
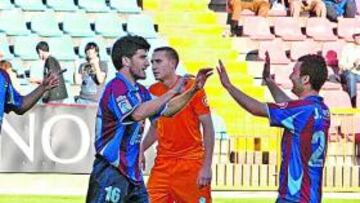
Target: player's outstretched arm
column 178, row 102
column 250, row 104
column 49, row 82
column 277, row 93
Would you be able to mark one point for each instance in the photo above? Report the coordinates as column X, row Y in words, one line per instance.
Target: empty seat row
column 76, row 25
column 98, row 6
column 277, row 49
column 289, row 29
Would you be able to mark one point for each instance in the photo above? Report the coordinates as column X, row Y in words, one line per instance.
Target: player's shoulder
column 117, row 85
column 156, row 88
column 4, row 74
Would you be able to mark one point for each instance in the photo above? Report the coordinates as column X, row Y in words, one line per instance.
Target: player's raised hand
column 266, row 71
column 224, row 78
column 50, row 81
column 201, row 77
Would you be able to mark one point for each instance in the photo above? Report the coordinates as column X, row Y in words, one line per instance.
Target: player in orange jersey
column 182, row 170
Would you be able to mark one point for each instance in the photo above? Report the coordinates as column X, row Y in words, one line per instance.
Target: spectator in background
column 58, row 94
column 234, row 8
column 340, row 8
column 7, row 66
column 314, row 7
column 349, row 65
column 91, row 75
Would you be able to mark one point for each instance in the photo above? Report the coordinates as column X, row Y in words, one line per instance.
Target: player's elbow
column 137, row 116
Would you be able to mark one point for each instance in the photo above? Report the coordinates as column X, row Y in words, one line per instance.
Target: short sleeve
column 289, row 115
column 121, row 103
column 200, row 103
column 12, row 99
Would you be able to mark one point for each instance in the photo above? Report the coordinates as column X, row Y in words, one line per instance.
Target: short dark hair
column 315, row 67
column 91, row 45
column 43, row 46
column 170, row 52
column 127, row 46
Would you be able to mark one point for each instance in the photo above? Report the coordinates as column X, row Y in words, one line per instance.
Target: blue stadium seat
column 6, row 5
column 141, row 25
column 93, row 6
column 103, row 54
column 24, row 47
column 62, row 5
column 62, row 48
column 30, row 5
column 4, row 47
column 69, row 74
column 77, row 25
column 13, row 23
column 45, row 24
column 125, row 6
column 109, row 25
column 17, row 65
column 111, row 72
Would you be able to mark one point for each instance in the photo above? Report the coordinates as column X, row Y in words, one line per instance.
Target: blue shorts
column 107, row 184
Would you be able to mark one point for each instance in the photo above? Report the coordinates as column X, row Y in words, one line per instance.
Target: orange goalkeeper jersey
column 179, row 136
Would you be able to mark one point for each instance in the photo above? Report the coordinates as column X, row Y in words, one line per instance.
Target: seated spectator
column 349, row 65
column 91, row 75
column 332, row 63
column 340, row 8
column 7, row 66
column 52, row 65
column 314, row 7
column 234, row 8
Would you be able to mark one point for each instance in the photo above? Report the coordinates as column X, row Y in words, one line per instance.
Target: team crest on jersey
column 123, row 104
column 282, row 105
column 205, row 101
column 202, row 200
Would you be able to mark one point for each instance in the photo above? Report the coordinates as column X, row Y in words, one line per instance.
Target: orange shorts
column 174, row 180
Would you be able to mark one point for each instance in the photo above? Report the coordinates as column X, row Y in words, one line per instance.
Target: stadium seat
column 219, row 126
column 45, row 24
column 346, row 28
column 109, row 25
column 300, row 48
column 155, row 43
column 334, row 46
column 103, row 54
column 342, row 98
column 77, row 25
column 4, row 47
column 24, row 47
column 30, row 5
column 93, row 6
column 288, row 29
column 6, row 5
column 62, row 48
column 13, row 23
column 277, row 9
column 257, row 28
column 111, row 72
column 141, row 25
column 63, row 5
column 125, row 6
column 320, row 29
column 17, row 65
column 276, row 49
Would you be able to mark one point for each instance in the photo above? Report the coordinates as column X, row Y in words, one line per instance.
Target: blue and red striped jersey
column 306, row 123
column 117, row 136
column 10, row 99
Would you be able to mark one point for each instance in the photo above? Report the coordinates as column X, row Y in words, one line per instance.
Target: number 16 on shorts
column 112, row 194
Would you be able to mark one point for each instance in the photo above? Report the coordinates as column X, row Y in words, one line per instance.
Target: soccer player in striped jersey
column 305, row 121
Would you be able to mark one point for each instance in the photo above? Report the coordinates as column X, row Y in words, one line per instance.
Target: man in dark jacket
column 59, row 93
